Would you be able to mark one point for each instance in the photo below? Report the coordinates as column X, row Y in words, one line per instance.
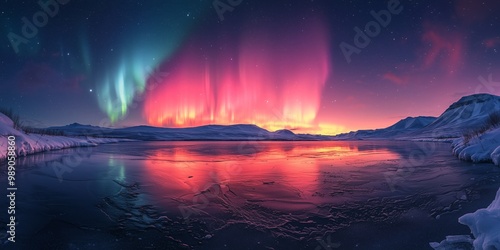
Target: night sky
column 277, row 64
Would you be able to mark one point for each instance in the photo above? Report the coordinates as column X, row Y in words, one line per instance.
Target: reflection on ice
column 274, row 173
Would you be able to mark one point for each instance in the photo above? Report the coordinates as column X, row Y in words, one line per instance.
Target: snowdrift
column 485, row 148
column 485, row 227
column 33, row 143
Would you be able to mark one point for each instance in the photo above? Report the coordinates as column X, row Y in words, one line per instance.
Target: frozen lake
column 246, row 195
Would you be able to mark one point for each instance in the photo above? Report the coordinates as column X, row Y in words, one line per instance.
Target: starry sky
column 312, row 66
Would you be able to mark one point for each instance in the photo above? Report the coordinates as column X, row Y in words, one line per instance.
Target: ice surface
column 454, row 242
column 278, row 195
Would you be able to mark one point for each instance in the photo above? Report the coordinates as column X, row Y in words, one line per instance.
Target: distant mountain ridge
column 206, row 132
column 412, row 123
column 467, row 113
column 403, row 126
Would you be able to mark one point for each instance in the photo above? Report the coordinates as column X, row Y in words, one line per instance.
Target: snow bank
column 485, row 148
column 485, row 225
column 33, row 143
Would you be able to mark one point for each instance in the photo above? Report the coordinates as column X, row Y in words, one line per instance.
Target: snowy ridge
column 399, row 129
column 80, row 129
column 412, row 123
column 467, row 113
column 33, row 143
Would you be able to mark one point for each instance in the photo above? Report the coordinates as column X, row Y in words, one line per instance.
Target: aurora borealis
column 276, row 64
column 135, row 65
column 272, row 79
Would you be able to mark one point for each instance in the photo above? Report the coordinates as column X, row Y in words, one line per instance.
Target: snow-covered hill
column 412, row 123
column 32, row 143
column 401, row 128
column 468, row 113
column 80, row 129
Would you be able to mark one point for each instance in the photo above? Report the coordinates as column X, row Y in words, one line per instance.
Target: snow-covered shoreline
column 484, row 148
column 34, row 143
column 484, row 225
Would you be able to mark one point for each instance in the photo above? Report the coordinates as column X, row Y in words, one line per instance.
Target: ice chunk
column 454, row 242
column 485, row 225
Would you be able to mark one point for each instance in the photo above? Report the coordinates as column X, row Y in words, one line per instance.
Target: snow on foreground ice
column 485, row 226
column 485, row 148
column 33, row 143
